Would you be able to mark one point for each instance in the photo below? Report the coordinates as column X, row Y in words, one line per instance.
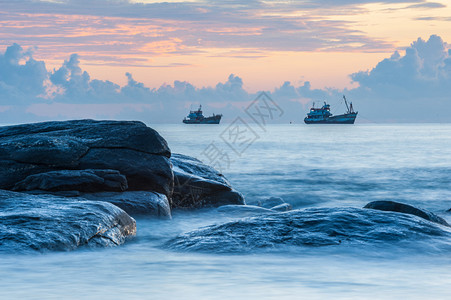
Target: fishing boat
column 324, row 116
column 196, row 117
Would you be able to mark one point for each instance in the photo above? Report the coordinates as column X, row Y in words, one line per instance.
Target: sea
column 308, row 166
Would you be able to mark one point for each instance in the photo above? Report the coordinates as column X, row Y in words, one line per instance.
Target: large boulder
column 406, row 209
column 199, row 185
column 351, row 227
column 46, row 222
column 144, row 171
column 73, row 158
column 131, row 148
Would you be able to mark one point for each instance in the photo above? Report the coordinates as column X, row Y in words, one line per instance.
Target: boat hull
column 340, row 119
column 209, row 120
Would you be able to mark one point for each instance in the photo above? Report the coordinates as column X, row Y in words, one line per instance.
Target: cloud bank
column 127, row 32
column 410, row 86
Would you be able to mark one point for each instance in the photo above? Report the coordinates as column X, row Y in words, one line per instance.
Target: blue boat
column 196, row 117
column 324, row 116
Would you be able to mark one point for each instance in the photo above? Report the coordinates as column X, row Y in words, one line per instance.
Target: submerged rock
column 199, row 185
column 282, row 207
column 309, row 227
column 131, row 148
column 271, row 202
column 406, row 209
column 275, row 204
column 46, row 222
column 140, row 203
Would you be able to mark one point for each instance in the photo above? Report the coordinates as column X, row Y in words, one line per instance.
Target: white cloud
column 412, row 86
column 21, row 77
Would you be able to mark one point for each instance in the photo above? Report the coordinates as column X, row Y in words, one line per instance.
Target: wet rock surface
column 136, row 203
column 129, row 147
column 89, row 180
column 199, row 185
column 406, row 209
column 49, row 223
column 310, row 227
column 76, row 182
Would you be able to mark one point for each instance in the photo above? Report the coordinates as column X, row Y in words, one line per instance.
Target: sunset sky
column 263, row 43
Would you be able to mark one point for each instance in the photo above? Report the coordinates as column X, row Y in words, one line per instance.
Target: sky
column 153, row 61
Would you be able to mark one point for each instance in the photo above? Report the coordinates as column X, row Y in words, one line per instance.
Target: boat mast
column 346, row 102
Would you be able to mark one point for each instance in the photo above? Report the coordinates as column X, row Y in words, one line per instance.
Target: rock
column 136, row 203
column 55, row 193
column 144, row 171
column 243, row 210
column 46, row 222
column 282, row 207
column 223, row 198
column 86, row 156
column 271, row 202
column 277, row 231
column 198, row 185
column 89, row 180
column 275, row 204
column 129, row 147
column 193, row 166
column 133, row 135
column 406, row 209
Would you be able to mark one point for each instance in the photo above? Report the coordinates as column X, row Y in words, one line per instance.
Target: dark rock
column 102, row 134
column 198, row 185
column 139, row 203
column 191, row 165
column 79, row 180
column 135, row 150
column 87, row 156
column 46, row 222
column 223, row 198
column 313, row 227
column 143, row 171
column 54, row 193
column 406, row 209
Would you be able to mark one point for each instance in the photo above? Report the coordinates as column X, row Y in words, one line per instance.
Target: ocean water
column 317, row 166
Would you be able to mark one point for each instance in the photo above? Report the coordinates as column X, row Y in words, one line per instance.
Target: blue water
column 307, row 166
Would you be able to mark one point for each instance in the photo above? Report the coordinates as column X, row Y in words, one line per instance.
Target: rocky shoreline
column 109, row 170
column 79, row 183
